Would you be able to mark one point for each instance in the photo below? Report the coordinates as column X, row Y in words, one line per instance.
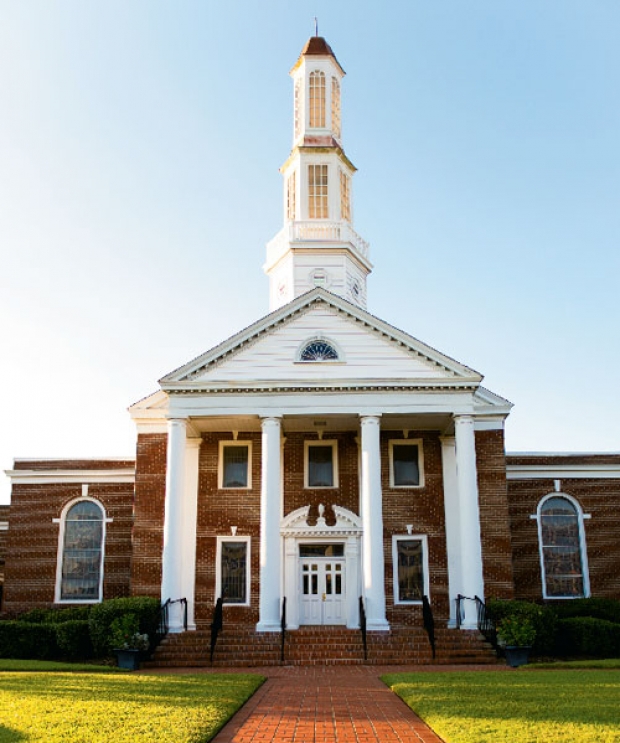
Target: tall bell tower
column 317, row 245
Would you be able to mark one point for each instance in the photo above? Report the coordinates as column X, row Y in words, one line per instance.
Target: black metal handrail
column 283, row 629
column 486, row 625
column 363, row 627
column 216, row 625
column 428, row 622
column 164, row 615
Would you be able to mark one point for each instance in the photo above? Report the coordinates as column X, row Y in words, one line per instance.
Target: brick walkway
column 321, row 704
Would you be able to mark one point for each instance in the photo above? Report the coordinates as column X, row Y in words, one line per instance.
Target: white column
column 172, row 557
column 472, row 582
column 453, row 522
column 373, row 579
column 190, row 517
column 270, row 552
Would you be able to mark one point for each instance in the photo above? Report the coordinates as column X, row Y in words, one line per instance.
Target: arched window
column 317, row 99
column 318, row 350
column 81, row 541
column 336, row 107
column 562, row 548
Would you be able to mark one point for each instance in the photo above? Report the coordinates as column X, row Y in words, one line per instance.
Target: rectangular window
column 233, row 570
column 317, row 192
column 406, row 463
column 235, row 464
column 345, row 197
column 290, row 197
column 317, row 99
column 410, row 560
column 336, row 107
column 321, row 464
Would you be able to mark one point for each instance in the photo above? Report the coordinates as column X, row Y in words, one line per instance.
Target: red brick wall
column 218, row 510
column 150, row 493
column 494, row 517
column 30, row 572
column 598, row 497
column 424, row 509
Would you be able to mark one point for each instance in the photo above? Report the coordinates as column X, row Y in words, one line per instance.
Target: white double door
column 323, row 590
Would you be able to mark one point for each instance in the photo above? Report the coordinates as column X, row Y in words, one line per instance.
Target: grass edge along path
column 550, row 706
column 126, row 708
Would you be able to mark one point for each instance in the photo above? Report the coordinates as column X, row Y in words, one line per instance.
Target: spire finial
column 316, row 26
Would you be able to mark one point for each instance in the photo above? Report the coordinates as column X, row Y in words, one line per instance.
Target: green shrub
column 598, row 608
column 588, row 636
column 542, row 619
column 28, row 641
column 73, row 639
column 145, row 608
column 54, row 616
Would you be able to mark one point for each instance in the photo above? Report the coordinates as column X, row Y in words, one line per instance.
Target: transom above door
column 323, row 592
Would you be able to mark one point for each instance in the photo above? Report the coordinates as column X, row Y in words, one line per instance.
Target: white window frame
column 248, row 567
column 396, row 538
column 220, row 464
column 319, row 339
column 583, row 551
column 61, row 549
column 406, row 442
column 321, row 442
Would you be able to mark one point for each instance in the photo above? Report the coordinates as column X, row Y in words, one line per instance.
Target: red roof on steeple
column 318, row 47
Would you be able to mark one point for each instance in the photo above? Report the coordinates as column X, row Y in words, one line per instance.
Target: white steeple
column 317, row 245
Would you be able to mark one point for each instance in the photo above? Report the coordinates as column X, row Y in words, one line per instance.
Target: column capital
column 269, row 420
column 374, row 419
column 462, row 418
column 195, row 442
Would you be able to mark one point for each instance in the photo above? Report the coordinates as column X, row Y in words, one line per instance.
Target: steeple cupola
column 317, row 245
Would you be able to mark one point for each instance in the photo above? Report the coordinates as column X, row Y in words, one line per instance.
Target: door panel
column 322, row 591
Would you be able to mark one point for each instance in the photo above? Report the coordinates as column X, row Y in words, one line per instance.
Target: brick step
column 240, row 645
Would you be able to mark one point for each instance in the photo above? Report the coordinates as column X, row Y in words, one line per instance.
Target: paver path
column 325, row 704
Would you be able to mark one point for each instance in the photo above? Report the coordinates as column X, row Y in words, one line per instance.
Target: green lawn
column 547, row 706
column 118, row 707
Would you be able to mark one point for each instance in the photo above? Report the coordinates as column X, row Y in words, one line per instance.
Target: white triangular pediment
column 370, row 352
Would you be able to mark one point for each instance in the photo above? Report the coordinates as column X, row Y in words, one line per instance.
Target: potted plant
column 127, row 641
column 516, row 635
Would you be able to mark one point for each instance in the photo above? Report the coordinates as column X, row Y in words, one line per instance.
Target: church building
column 319, row 462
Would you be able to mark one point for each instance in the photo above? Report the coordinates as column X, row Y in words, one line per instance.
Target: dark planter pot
column 516, row 655
column 129, row 659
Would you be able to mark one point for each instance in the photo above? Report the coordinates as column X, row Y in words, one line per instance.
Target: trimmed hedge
column 542, row 617
column 73, row 639
column 28, row 640
column 608, row 609
column 588, row 636
column 146, row 609
column 55, row 616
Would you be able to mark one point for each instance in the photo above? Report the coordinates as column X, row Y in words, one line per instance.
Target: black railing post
column 363, row 627
column 429, row 622
column 216, row 625
column 283, row 629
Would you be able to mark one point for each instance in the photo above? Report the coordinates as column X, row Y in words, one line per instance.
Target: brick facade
column 134, row 538
column 32, row 545
column 494, row 525
column 599, row 497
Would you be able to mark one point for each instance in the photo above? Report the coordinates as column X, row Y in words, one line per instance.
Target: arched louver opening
column 318, row 350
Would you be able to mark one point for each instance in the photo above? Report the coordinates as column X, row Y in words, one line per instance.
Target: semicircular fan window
column 318, row 351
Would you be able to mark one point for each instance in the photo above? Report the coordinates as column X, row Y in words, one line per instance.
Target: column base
column 377, row 626
column 268, row 627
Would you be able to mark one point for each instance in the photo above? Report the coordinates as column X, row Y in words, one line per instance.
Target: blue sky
column 139, row 151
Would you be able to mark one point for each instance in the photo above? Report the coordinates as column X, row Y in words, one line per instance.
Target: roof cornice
column 183, row 376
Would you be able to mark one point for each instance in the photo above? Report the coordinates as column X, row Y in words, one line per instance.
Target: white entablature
column 317, row 245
